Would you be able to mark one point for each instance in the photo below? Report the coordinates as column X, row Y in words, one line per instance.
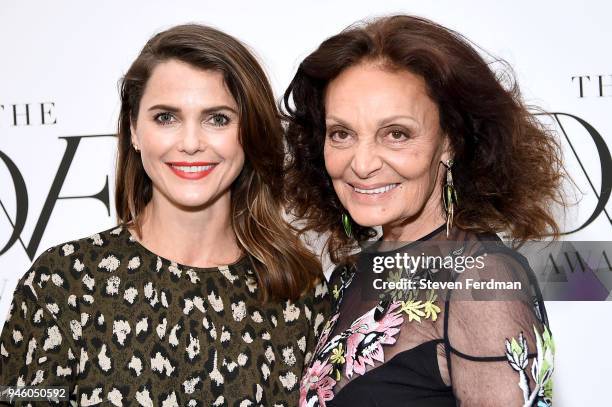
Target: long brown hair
column 508, row 167
column 284, row 267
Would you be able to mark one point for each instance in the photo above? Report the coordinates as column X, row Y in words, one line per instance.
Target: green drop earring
column 449, row 196
column 346, row 222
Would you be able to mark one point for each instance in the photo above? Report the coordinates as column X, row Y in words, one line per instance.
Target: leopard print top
column 121, row 326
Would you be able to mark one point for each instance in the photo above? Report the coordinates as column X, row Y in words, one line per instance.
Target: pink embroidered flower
column 317, row 378
column 364, row 344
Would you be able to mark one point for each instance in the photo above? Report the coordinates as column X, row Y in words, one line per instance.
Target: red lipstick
column 191, row 170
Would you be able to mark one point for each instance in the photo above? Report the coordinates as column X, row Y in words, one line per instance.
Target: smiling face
column 383, row 146
column 187, row 131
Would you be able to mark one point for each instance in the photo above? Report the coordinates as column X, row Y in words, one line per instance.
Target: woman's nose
column 192, row 138
column 366, row 160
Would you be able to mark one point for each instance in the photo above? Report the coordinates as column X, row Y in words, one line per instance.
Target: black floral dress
column 435, row 344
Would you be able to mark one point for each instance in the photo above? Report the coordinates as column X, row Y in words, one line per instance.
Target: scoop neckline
column 126, row 231
column 428, row 236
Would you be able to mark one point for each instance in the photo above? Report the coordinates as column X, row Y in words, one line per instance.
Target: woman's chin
column 370, row 219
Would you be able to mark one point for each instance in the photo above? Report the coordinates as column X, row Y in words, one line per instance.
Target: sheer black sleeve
column 499, row 347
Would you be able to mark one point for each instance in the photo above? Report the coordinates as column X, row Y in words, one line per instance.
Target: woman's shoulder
column 499, row 281
column 339, row 272
column 318, row 292
column 59, row 267
column 494, row 250
column 340, row 278
column 104, row 241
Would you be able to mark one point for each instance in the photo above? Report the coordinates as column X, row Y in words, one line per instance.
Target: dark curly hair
column 508, row 167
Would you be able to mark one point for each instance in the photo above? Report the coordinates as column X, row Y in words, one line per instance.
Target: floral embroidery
column 351, row 351
column 413, row 310
column 346, row 277
column 541, row 370
column 336, row 292
column 395, row 277
column 337, row 356
column 431, row 309
column 364, row 340
column 543, row 366
column 317, row 379
column 359, row 346
column 364, row 344
column 417, row 309
column 327, row 328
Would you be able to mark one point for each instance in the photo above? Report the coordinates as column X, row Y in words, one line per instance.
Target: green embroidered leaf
column 548, row 340
column 431, row 309
column 338, row 377
column 548, row 389
column 516, row 348
column 413, row 310
column 543, row 365
column 336, row 292
column 337, row 356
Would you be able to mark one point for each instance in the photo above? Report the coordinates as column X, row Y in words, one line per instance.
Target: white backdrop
column 67, row 57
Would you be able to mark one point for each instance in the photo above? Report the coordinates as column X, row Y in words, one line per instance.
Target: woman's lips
column 370, row 193
column 191, row 170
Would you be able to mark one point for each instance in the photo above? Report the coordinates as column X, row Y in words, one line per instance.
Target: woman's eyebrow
column 164, row 107
column 389, row 120
column 219, row 107
column 208, row 110
column 337, row 121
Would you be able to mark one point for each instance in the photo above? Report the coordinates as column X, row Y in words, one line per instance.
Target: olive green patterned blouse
column 121, row 326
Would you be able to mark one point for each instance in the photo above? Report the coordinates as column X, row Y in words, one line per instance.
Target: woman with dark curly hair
column 400, row 123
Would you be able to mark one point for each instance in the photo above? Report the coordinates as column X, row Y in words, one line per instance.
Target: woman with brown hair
column 202, row 295
column 400, row 123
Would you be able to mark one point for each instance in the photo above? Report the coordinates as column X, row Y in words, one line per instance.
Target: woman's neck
column 416, row 227
column 199, row 238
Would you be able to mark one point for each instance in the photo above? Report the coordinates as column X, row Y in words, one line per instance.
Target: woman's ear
column 447, row 152
column 133, row 137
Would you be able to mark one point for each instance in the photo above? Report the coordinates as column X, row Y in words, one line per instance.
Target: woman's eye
column 339, row 135
column 164, row 118
column 219, row 120
column 397, row 135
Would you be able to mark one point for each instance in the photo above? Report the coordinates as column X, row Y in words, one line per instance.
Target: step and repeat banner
column 59, row 71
